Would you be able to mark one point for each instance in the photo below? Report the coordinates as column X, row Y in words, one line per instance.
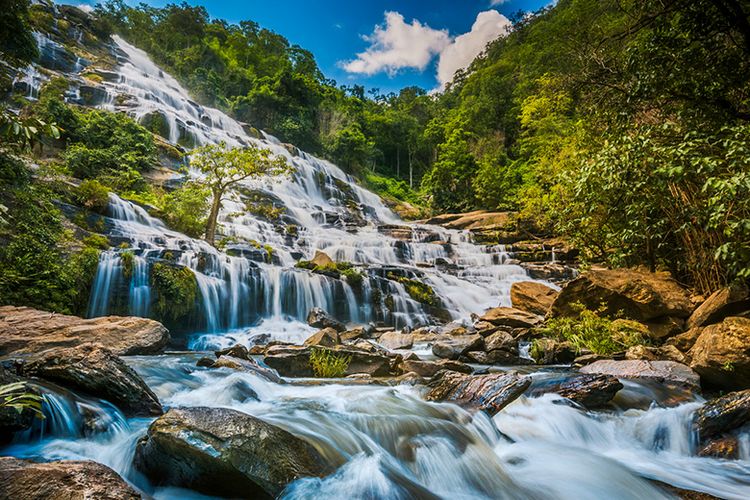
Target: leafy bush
column 18, row 397
column 596, row 332
column 326, row 364
column 92, row 195
column 176, row 291
column 387, row 187
column 186, row 209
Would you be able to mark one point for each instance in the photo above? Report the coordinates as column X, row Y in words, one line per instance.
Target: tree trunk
column 213, row 217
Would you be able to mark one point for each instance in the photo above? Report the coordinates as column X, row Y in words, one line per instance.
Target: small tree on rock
column 224, row 167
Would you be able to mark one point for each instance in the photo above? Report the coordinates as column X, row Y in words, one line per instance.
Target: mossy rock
column 176, row 290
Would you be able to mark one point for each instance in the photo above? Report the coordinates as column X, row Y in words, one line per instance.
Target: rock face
column 327, row 337
column 640, row 295
column 97, row 371
column 532, row 297
column 224, row 452
column 721, row 354
column 26, row 330
column 728, row 301
column 396, row 340
column 663, row 371
column 318, row 318
column 723, row 414
column 511, row 317
column 27, row 480
column 490, row 393
column 295, row 361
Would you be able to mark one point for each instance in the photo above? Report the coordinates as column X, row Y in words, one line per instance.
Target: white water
column 329, row 211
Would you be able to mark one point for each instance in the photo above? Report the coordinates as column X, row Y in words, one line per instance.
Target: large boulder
column 721, row 354
column 396, row 340
column 729, row 301
column 723, row 414
column 67, row 479
column 327, row 337
column 95, row 370
column 662, row 371
column 27, row 330
column 532, row 297
column 490, row 393
column 292, row 361
column 318, row 318
column 455, row 347
column 638, row 294
column 590, row 391
column 321, row 259
column 224, row 452
column 511, row 317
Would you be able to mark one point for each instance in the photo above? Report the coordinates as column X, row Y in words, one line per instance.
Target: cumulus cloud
column 488, row 26
column 398, row 45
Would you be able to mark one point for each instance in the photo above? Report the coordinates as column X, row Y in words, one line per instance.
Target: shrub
column 421, row 292
column 327, row 364
column 186, row 209
column 596, row 332
column 176, row 291
column 92, row 195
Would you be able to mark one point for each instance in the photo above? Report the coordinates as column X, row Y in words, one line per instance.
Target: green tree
column 225, row 167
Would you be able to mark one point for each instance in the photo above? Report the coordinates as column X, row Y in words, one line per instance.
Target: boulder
column 454, row 347
column 321, row 259
column 67, row 479
column 721, row 355
column 667, row 352
column 722, row 415
column 247, row 366
column 510, row 317
column 662, row 371
column 396, row 340
column 495, row 357
column 292, row 361
column 532, row 297
column 360, row 332
column 551, row 351
column 95, row 370
column 664, row 328
column 491, row 392
column 638, row 294
column 224, row 452
column 27, row 330
column 501, row 340
column 428, row 369
column 236, row 351
column 318, row 318
column 729, row 301
column 327, row 337
column 685, row 341
column 590, row 391
column 726, row 447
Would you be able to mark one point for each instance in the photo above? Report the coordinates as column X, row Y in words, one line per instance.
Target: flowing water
column 386, row 442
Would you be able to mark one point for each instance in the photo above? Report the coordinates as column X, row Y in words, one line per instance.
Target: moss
column 334, row 269
column 388, row 301
column 421, row 292
column 126, row 260
column 176, row 290
column 92, row 195
column 96, row 241
column 353, row 277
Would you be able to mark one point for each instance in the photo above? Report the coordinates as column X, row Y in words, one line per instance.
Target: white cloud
column 398, row 45
column 488, row 26
column 494, row 3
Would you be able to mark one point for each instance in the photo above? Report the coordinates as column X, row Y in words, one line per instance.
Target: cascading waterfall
column 326, row 208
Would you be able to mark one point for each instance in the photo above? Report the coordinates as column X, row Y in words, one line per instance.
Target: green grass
column 326, row 364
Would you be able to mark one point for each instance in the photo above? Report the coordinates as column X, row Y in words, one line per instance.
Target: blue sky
column 410, row 46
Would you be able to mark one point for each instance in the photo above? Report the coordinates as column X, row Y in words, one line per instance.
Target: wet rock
column 590, row 391
column 501, row 340
column 27, row 330
column 236, row 351
column 638, row 294
column 68, row 479
column 685, row 341
column 587, row 359
column 510, row 317
column 664, row 328
column 721, row 355
column 454, row 347
column 491, row 392
column 327, row 337
column 485, row 328
column 662, row 371
column 727, row 447
column 667, row 352
column 360, row 332
column 92, row 369
column 550, row 271
column 205, row 362
column 729, row 301
column 428, row 369
column 248, row 366
column 318, row 318
column 396, row 340
column 223, row 452
column 551, row 351
column 532, row 297
column 295, row 361
column 723, row 414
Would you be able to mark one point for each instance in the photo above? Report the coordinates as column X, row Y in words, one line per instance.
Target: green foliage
column 18, row 396
column 92, row 195
column 596, row 332
column 176, row 290
column 336, row 270
column 17, row 45
column 390, row 188
column 127, row 260
column 96, row 241
column 421, row 292
column 327, row 364
column 449, row 185
column 185, row 209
